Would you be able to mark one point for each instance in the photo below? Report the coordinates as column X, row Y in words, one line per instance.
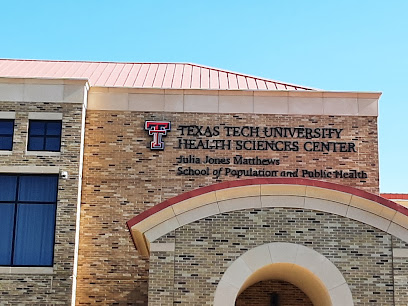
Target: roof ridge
column 251, row 76
column 85, row 61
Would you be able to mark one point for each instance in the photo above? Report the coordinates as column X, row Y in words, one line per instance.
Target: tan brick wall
column 400, row 273
column 205, row 248
column 123, row 177
column 259, row 294
column 162, row 289
column 55, row 288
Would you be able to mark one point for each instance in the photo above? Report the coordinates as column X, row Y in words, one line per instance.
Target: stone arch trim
column 346, row 201
column 305, row 268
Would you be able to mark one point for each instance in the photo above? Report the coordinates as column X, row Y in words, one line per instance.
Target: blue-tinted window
column 6, row 232
column 6, row 134
column 34, row 235
column 44, row 135
column 31, row 189
column 27, row 219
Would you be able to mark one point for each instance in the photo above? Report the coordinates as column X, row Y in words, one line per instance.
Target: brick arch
column 346, row 201
column 299, row 265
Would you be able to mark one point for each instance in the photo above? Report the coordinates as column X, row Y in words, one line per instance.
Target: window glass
column 37, row 128
column 36, row 143
column 6, row 134
column 6, row 127
column 54, row 128
column 44, row 135
column 8, row 185
column 6, row 143
column 27, row 219
column 34, row 238
column 52, row 144
column 6, row 232
column 34, row 188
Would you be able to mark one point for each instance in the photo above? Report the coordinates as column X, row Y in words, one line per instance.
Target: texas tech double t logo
column 157, row 129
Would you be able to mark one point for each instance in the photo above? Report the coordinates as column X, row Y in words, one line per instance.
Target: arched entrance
column 197, row 237
column 273, row 292
column 346, row 201
column 301, row 266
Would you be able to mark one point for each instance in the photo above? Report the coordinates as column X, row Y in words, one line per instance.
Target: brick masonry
column 400, row 273
column 205, row 249
column 123, row 177
column 55, row 288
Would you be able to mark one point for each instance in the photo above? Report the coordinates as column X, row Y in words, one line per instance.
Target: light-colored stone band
column 7, row 115
column 44, row 116
column 162, row 247
column 202, row 101
column 42, row 90
column 29, row 169
column 401, row 253
column 26, row 270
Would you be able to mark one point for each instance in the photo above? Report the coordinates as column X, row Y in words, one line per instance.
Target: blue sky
column 331, row 45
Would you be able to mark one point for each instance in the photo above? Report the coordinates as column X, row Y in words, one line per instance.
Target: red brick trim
column 395, row 196
column 266, row 181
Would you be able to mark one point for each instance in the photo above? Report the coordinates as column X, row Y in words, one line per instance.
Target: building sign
column 157, row 129
column 256, row 138
column 252, row 139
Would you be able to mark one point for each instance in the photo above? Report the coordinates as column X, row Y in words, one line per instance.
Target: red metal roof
column 141, row 75
column 395, row 196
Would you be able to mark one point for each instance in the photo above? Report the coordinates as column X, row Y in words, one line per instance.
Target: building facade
column 166, row 184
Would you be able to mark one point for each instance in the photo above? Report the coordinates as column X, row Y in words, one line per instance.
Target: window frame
column 16, row 202
column 8, row 135
column 44, row 136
